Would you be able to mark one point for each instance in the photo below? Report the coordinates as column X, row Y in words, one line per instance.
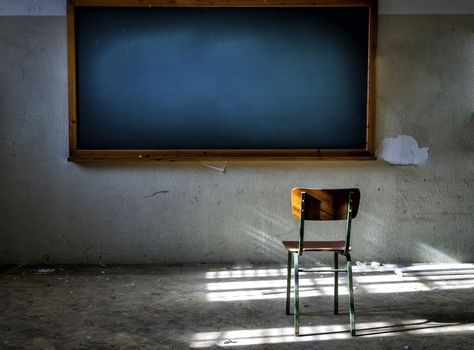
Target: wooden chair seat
column 316, row 246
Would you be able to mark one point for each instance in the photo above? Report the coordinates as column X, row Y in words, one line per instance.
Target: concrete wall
column 53, row 211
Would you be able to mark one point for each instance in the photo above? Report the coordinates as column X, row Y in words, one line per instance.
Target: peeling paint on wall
column 402, row 150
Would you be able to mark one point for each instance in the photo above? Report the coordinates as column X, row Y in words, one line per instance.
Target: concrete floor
column 214, row 306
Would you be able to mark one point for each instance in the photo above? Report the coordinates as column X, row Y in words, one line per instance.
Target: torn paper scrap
column 402, row 150
column 220, row 166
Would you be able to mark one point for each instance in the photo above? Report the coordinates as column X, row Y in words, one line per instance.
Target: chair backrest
column 325, row 204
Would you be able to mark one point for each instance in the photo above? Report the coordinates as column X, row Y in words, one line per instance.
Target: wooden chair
column 322, row 204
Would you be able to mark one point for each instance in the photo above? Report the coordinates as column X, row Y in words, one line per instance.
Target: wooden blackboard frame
column 77, row 154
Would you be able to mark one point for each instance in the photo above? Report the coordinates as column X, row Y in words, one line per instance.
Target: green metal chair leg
column 351, row 298
column 297, row 297
column 288, row 283
column 336, row 285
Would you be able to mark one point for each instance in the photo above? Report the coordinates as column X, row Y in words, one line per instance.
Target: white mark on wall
column 402, row 150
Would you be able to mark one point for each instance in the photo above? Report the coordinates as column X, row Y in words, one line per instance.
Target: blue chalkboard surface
column 221, row 78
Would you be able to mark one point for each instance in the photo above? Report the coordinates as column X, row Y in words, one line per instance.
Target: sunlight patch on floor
column 323, row 333
column 252, row 288
column 248, row 273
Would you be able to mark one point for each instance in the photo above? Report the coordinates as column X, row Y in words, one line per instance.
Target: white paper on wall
column 219, row 166
column 402, row 150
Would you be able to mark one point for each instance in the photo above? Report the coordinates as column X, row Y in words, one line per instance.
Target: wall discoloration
column 119, row 213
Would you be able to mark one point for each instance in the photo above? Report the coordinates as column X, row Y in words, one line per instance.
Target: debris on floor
column 220, row 306
column 365, row 267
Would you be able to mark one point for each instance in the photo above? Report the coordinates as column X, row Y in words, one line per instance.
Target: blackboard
column 211, row 79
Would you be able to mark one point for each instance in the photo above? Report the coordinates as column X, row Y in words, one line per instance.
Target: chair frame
column 293, row 261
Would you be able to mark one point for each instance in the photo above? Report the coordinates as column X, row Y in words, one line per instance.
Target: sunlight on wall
column 429, row 253
column 265, row 243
